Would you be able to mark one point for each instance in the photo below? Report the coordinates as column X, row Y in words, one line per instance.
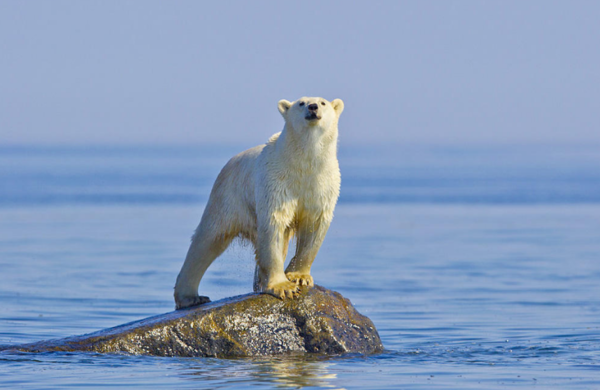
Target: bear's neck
column 308, row 145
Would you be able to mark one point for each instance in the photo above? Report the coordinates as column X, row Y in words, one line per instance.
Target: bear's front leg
column 269, row 277
column 310, row 238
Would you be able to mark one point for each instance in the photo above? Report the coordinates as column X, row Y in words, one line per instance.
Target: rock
column 319, row 321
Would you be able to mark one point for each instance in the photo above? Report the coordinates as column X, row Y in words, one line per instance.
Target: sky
column 210, row 72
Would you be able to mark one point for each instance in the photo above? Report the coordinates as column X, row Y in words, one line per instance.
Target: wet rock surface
column 319, row 321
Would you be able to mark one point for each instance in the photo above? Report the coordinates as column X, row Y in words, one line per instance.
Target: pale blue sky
column 201, row 72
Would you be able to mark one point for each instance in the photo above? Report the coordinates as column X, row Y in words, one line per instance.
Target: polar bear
column 266, row 195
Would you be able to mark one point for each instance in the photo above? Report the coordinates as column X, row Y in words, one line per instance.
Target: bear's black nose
column 313, row 107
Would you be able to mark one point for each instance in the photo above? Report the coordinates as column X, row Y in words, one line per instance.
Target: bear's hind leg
column 203, row 251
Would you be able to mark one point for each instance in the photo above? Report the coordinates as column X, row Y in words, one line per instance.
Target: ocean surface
column 480, row 266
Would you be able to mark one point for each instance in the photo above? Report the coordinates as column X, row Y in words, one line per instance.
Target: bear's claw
column 300, row 279
column 283, row 290
column 193, row 301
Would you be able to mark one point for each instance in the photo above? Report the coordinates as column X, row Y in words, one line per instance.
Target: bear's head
column 311, row 112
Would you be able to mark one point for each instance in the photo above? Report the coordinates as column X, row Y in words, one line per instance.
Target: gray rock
column 319, row 321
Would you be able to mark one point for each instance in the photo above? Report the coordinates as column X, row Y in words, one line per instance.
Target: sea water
column 480, row 266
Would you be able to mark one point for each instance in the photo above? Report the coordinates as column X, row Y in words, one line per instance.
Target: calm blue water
column 480, row 267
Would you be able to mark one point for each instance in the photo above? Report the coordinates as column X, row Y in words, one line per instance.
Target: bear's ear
column 284, row 106
column 338, row 106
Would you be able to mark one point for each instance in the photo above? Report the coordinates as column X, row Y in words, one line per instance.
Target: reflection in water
column 296, row 373
column 280, row 372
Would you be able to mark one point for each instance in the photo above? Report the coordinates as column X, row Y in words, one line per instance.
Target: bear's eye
column 301, row 104
column 322, row 103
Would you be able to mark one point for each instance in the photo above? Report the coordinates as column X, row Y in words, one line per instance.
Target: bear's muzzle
column 313, row 110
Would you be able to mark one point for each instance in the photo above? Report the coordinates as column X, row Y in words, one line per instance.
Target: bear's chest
column 311, row 191
column 306, row 182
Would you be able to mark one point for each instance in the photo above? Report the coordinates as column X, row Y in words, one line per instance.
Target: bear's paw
column 283, row 290
column 191, row 301
column 300, row 279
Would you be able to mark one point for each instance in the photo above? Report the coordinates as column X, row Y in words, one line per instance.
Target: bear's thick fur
column 266, row 195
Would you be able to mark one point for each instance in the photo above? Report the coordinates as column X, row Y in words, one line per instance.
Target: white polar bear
column 288, row 186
